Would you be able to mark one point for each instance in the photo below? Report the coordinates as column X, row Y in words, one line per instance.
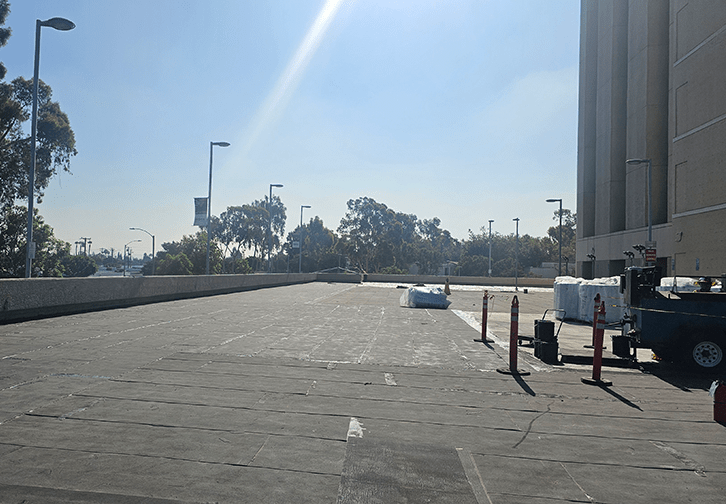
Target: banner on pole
column 200, row 212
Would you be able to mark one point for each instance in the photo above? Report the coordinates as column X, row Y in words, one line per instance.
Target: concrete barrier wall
column 460, row 280
column 23, row 299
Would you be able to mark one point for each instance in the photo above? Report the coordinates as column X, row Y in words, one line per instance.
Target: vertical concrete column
column 647, row 124
column 586, row 132
column 611, row 117
column 586, row 137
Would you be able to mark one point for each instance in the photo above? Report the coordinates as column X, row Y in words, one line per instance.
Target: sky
column 465, row 110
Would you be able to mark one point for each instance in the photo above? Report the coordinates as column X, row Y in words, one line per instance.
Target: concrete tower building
column 652, row 87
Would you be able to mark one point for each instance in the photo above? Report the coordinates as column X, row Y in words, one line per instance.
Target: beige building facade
column 652, row 86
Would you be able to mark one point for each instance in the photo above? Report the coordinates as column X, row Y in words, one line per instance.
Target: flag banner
column 200, row 212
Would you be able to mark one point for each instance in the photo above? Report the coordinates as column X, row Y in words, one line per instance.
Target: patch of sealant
column 355, row 428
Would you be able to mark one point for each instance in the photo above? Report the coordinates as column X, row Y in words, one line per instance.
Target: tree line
column 371, row 238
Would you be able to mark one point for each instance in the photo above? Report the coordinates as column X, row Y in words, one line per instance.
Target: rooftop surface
column 324, row 393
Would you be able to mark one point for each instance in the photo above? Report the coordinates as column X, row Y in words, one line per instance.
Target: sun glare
column 276, row 101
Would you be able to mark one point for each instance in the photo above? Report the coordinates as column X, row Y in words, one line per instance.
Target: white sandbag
column 567, row 297
column 609, row 290
column 424, row 297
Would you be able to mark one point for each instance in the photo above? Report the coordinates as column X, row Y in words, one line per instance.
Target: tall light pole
column 490, row 248
column 209, row 198
column 301, row 236
column 125, row 248
column 650, row 214
column 269, row 230
column 57, row 24
column 153, row 248
column 516, row 257
column 555, row 200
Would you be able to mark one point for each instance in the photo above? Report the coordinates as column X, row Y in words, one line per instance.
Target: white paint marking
column 355, row 428
column 470, row 318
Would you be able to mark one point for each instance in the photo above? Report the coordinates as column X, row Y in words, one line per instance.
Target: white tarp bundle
column 424, row 297
column 577, row 297
column 567, row 297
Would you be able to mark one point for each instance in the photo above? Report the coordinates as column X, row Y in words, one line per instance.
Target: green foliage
column 238, row 266
column 375, row 237
column 78, row 266
column 393, row 270
column 245, row 228
column 569, row 233
column 55, row 140
column 4, row 32
column 175, row 264
column 52, row 256
column 189, row 257
column 318, row 246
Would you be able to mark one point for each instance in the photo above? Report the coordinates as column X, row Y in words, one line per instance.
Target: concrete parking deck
column 334, row 393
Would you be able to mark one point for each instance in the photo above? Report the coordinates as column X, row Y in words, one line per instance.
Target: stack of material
column 577, row 297
column 424, row 297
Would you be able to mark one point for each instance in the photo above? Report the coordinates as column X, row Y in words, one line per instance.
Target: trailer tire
column 705, row 352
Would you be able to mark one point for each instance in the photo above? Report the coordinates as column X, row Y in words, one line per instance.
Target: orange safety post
column 484, row 315
column 513, row 340
column 594, row 321
column 597, row 355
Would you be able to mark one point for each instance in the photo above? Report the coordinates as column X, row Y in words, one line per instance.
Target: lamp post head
column 305, row 206
column 276, row 185
column 221, row 144
column 59, row 23
column 637, row 161
column 554, row 200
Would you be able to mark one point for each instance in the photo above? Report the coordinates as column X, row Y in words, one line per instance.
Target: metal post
column 153, row 248
column 516, row 260
column 209, row 199
column 490, row 248
column 209, row 207
column 31, row 175
column 299, row 249
column 560, row 265
column 58, row 24
column 269, row 229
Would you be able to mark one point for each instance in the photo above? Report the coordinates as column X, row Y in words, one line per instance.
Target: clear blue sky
column 465, row 110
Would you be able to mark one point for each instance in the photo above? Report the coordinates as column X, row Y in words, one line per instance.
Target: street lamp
column 153, row 248
column 650, row 167
column 269, row 230
column 57, row 24
column 125, row 248
column 209, row 197
column 516, row 257
column 490, row 248
column 555, row 200
column 301, row 236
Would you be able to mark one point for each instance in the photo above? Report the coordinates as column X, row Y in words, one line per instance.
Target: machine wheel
column 706, row 351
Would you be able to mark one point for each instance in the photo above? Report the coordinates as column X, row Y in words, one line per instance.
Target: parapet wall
column 461, row 280
column 23, row 299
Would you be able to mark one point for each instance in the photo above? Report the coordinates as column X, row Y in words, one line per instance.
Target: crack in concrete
column 529, row 427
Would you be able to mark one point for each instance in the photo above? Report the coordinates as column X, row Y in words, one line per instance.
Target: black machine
column 686, row 327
